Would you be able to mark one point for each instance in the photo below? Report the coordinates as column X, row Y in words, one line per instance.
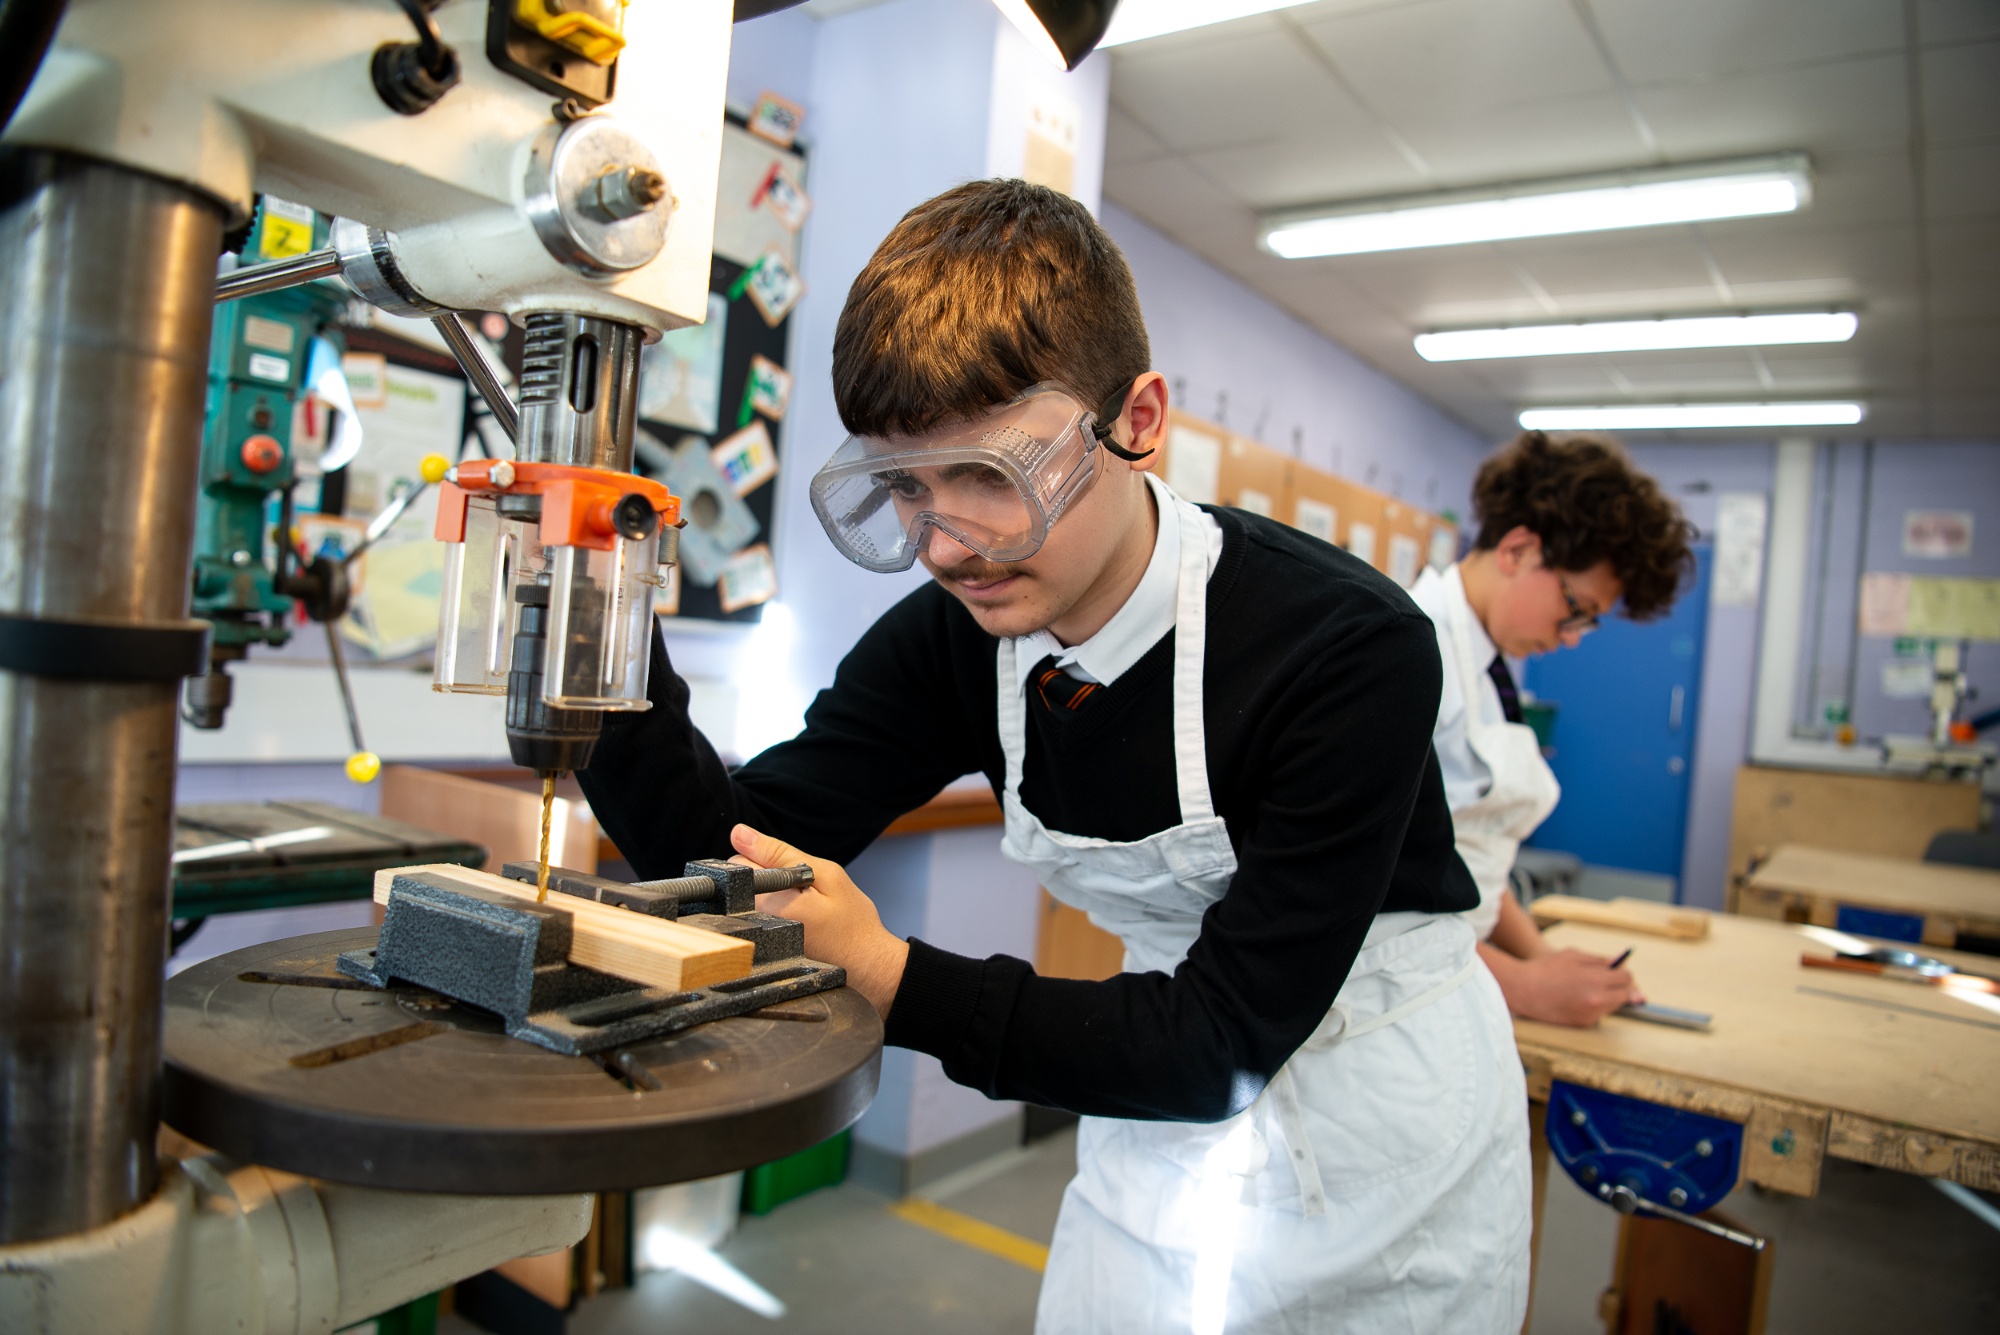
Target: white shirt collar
column 1483, row 649
column 1147, row 615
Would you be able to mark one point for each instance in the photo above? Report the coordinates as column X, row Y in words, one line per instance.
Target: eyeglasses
column 1578, row 622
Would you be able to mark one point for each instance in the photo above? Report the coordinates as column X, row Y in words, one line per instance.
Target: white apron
column 1489, row 832
column 1379, row 1183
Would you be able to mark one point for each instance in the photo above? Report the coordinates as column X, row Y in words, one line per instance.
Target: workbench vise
column 1643, row 1158
column 510, row 955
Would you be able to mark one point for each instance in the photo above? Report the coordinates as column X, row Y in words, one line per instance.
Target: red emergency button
column 262, row 453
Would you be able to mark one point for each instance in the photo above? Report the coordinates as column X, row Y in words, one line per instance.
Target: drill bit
column 548, row 812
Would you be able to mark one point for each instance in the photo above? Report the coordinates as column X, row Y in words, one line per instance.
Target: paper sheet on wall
column 1739, row 548
column 1361, row 541
column 1314, row 517
column 680, row 377
column 744, row 227
column 1403, row 554
column 1930, row 608
column 395, row 607
column 1194, row 464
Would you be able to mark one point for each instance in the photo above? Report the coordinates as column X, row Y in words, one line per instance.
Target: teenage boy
column 1568, row 529
column 1207, row 730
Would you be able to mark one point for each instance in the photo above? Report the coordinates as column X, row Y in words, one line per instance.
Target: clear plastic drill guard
column 477, row 613
column 600, row 638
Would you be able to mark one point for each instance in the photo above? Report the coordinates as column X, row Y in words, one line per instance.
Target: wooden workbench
column 1801, row 883
column 1814, row 1062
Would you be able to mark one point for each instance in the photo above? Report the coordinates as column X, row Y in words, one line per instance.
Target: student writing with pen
column 1569, row 530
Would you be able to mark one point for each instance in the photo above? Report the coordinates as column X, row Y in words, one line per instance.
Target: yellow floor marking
column 976, row 1233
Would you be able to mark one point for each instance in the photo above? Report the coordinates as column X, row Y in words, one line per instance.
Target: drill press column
column 106, row 277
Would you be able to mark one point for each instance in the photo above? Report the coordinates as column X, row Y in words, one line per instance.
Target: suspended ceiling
column 1898, row 105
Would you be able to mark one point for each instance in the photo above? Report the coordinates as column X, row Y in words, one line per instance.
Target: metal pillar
column 580, row 391
column 107, row 284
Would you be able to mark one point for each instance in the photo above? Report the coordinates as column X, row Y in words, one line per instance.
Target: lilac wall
column 1233, row 357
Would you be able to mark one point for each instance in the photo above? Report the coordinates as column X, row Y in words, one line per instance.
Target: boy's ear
column 1146, row 414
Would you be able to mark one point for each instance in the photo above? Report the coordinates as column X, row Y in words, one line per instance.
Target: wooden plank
column 1814, row 1063
column 1819, row 880
column 504, row 817
column 617, row 941
column 1626, row 915
column 1070, row 945
column 1888, row 815
column 952, row 809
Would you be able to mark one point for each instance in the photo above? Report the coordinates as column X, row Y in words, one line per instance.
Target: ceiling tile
column 1525, row 139
column 1639, row 271
column 1692, row 41
column 1957, row 20
column 1962, row 92
column 1461, row 58
column 1964, row 180
column 1840, row 106
column 1281, row 172
column 1256, row 87
column 1127, row 141
column 1965, row 356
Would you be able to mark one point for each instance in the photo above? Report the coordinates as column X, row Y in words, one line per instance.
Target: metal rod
column 381, row 523
column 339, row 656
column 104, row 328
column 277, row 274
column 479, row 367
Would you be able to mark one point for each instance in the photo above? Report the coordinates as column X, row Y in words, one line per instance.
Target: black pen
column 1622, row 958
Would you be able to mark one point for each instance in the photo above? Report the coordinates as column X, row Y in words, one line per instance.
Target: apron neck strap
column 1190, row 644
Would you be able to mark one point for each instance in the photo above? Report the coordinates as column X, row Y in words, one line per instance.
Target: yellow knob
column 433, row 468
column 363, row 766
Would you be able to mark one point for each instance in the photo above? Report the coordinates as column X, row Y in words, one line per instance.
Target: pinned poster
column 776, row 119
column 748, row 578
column 769, row 388
column 1444, row 546
column 719, row 524
column 746, row 459
column 774, row 287
column 784, row 197
column 680, row 376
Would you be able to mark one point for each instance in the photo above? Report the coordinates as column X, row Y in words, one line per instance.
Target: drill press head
column 556, row 556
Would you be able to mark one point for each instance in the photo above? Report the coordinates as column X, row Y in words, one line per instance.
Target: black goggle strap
column 1107, row 417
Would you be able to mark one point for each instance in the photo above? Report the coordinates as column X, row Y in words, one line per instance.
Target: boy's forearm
column 1516, row 933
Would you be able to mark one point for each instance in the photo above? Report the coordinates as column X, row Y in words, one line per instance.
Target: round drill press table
column 275, row 1058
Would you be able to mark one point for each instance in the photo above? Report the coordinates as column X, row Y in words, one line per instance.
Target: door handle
column 1674, row 704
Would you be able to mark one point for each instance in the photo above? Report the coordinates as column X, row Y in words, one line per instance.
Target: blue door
column 1623, row 744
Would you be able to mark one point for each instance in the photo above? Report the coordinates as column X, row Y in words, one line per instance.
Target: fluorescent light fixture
column 1652, row 197
column 1137, row 20
column 1706, row 331
column 1689, row 416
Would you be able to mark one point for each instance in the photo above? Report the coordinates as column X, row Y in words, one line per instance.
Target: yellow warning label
column 287, row 230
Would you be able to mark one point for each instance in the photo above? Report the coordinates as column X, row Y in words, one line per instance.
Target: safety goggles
column 995, row 486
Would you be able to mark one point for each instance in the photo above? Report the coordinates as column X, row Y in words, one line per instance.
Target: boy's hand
column 1568, row 987
column 842, row 926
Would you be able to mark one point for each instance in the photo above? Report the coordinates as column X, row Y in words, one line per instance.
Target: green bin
column 770, row 1185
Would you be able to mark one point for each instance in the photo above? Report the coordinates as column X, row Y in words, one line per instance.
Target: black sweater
column 1320, row 689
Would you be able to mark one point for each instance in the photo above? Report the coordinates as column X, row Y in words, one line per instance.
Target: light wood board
column 1627, row 915
column 1814, row 1062
column 616, row 941
column 1799, row 881
column 1889, row 815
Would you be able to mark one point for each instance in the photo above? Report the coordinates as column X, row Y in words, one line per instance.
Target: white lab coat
column 1379, row 1183
column 1523, row 790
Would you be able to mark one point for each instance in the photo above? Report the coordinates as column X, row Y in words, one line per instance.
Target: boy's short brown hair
column 1587, row 502
column 976, row 295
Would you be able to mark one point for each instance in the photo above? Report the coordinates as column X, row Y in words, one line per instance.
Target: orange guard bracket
column 576, row 502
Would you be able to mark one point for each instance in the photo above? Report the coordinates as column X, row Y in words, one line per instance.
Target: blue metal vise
column 1635, row 1155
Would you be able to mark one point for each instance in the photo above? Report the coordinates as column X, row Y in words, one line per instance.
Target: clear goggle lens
column 994, row 487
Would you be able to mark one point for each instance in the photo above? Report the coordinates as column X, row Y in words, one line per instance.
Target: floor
column 1875, row 1251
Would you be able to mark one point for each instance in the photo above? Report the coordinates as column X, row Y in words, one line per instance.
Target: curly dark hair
column 1587, row 502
